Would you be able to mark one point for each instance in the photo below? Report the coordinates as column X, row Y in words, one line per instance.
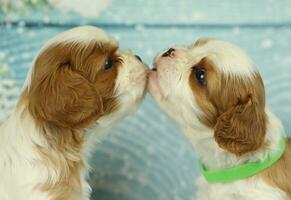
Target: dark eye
column 109, row 63
column 200, row 74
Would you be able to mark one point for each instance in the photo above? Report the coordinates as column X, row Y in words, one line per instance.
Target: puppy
column 214, row 93
column 80, row 85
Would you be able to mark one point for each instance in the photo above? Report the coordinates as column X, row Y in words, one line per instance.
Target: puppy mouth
column 153, row 85
column 141, row 78
column 154, row 66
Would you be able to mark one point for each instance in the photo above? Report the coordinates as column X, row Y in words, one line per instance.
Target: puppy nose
column 154, row 69
column 139, row 58
column 168, row 53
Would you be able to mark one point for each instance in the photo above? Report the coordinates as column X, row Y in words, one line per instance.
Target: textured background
column 144, row 157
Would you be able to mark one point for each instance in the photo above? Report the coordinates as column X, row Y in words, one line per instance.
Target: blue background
column 145, row 157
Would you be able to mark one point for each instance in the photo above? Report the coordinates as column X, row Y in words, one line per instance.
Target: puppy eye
column 109, row 63
column 200, row 74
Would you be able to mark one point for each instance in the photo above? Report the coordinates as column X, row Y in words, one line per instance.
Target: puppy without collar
column 80, row 84
column 214, row 93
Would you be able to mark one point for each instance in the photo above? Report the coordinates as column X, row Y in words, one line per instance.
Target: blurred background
column 145, row 157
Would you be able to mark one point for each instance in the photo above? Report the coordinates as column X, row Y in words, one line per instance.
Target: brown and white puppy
column 214, row 93
column 80, row 85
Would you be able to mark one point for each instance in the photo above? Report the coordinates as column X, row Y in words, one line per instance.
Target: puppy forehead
column 226, row 57
column 82, row 35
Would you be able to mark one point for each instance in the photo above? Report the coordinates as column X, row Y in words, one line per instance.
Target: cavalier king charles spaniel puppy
column 80, row 84
column 214, row 93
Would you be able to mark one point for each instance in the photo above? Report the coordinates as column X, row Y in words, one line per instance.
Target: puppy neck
column 213, row 157
column 20, row 127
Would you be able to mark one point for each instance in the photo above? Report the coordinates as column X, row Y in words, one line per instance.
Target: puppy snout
column 138, row 57
column 154, row 69
column 168, row 53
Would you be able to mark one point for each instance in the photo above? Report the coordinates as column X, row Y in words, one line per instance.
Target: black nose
column 168, row 53
column 154, row 69
column 139, row 58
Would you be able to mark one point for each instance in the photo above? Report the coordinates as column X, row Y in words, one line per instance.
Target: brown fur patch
column 279, row 174
column 233, row 107
column 69, row 91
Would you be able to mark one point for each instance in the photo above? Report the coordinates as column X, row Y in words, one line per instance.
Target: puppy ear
column 241, row 128
column 61, row 96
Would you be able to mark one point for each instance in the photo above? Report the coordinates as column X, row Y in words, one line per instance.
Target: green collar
column 244, row 170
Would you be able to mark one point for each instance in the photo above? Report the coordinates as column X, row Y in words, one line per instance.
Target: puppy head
column 80, row 77
column 212, row 84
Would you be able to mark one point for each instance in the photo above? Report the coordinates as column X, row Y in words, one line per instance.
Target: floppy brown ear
column 62, row 96
column 241, row 128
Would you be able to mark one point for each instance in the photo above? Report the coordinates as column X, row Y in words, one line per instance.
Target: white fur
column 229, row 58
column 170, row 87
column 21, row 168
